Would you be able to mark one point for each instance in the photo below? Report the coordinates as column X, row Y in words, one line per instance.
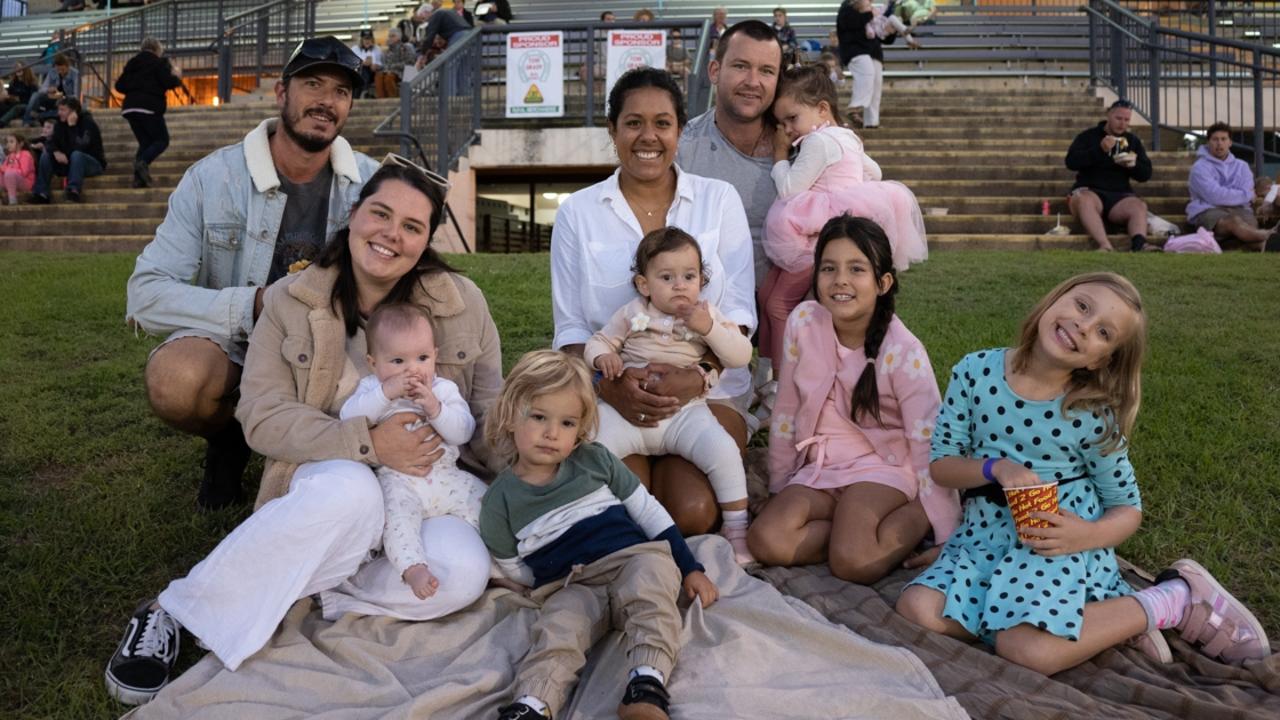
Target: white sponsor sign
column 629, row 49
column 535, row 74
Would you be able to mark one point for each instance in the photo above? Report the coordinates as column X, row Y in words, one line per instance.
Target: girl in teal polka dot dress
column 1058, row 408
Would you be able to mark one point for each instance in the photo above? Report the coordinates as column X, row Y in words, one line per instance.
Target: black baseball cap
column 327, row 51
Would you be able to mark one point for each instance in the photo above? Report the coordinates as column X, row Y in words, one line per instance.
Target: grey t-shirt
column 704, row 151
column 306, row 215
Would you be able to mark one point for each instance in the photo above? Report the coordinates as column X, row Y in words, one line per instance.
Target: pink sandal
column 1219, row 623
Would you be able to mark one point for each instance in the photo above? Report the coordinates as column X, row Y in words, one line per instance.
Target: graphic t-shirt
column 302, row 229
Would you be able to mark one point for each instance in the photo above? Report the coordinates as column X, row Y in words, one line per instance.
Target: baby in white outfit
column 402, row 355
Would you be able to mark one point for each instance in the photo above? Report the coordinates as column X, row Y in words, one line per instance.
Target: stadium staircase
column 987, row 148
column 116, row 217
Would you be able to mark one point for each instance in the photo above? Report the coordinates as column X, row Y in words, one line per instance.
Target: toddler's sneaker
column 645, row 699
column 520, row 711
column 737, row 537
column 145, row 658
column 1153, row 645
column 1221, row 624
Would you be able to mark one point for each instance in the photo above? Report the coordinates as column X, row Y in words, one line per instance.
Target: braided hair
column 869, row 238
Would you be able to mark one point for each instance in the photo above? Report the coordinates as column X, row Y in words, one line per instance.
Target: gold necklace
column 637, row 206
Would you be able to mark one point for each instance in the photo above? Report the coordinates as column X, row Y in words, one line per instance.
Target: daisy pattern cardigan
column 909, row 402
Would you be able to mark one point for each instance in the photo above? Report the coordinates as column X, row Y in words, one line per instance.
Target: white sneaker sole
column 125, row 694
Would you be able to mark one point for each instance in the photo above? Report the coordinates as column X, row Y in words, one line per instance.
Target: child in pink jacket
column 19, row 167
column 849, row 441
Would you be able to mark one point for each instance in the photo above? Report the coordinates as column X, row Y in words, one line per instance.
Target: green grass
column 96, row 497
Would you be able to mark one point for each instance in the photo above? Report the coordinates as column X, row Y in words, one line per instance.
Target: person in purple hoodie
column 1221, row 187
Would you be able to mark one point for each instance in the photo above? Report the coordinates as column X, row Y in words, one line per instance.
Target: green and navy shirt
column 593, row 507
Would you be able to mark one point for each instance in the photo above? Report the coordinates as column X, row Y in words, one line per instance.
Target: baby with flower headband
column 670, row 324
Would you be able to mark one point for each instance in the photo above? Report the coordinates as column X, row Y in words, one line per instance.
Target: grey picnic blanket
column 754, row 654
column 1118, row 684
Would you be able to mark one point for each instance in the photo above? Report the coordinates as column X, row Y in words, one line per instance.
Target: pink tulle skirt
column 792, row 225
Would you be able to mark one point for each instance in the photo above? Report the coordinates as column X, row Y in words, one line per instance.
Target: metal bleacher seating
column 25, row 38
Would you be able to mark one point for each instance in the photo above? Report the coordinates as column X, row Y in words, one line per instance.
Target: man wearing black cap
column 242, row 217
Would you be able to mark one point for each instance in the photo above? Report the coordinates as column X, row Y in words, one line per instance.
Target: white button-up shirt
column 594, row 245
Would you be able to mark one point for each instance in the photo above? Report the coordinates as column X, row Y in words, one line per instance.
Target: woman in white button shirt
column 596, row 233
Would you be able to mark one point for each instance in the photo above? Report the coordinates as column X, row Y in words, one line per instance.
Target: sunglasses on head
column 325, row 49
column 401, row 161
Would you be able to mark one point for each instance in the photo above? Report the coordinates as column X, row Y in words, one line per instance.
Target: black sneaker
column 73, row 195
column 144, row 660
column 520, row 711
column 645, row 699
column 38, row 199
column 224, row 463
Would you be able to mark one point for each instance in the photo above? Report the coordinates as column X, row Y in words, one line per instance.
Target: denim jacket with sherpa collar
column 213, row 250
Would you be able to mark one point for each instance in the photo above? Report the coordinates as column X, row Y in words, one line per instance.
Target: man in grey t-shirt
column 732, row 142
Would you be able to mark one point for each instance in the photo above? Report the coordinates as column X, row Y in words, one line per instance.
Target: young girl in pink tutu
column 830, row 176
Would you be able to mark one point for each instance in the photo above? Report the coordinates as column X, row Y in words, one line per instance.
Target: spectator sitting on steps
column 240, row 219
column 22, row 84
column 398, row 55
column 38, row 143
column 18, row 170
column 63, row 81
column 370, row 60
column 1222, row 190
column 1105, row 158
column 75, row 151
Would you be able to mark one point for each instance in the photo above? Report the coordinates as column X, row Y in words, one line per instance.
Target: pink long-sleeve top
column 909, row 402
column 23, row 163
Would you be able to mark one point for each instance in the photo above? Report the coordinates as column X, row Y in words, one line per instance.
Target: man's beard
column 309, row 143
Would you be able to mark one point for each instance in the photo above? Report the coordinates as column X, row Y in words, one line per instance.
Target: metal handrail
column 266, row 41
column 182, row 25
column 232, row 21
column 442, row 106
column 1141, row 61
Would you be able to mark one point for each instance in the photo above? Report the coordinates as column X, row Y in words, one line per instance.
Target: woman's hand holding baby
column 698, row 585
column 420, row 579
column 411, row 452
column 637, row 397
column 609, row 365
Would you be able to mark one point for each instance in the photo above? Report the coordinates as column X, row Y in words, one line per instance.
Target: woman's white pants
column 308, row 541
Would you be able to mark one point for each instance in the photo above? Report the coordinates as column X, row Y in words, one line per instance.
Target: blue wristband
column 986, row 470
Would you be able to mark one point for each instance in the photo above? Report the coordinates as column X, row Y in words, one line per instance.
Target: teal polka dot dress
column 991, row 581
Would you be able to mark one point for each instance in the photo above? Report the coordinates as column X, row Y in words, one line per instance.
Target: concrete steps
column 988, row 155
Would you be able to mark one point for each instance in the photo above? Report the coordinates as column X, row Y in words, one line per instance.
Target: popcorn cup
column 1028, row 499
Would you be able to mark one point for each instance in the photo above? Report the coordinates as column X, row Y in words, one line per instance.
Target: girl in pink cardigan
column 849, row 441
column 19, row 167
